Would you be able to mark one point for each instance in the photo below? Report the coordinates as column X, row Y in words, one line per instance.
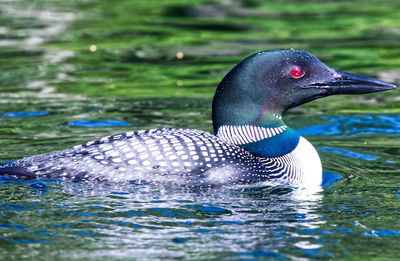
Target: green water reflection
column 157, row 63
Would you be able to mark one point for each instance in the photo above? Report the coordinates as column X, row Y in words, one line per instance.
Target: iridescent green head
column 264, row 85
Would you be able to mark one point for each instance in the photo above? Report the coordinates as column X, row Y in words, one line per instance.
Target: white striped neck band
column 244, row 134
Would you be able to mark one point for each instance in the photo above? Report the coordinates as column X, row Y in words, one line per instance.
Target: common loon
column 251, row 143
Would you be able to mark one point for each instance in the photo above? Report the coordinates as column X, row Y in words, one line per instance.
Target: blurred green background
column 153, row 63
column 135, row 43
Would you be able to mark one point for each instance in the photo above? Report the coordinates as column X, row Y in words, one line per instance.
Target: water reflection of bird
column 251, row 143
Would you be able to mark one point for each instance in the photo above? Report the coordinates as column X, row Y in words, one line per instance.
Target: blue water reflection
column 96, row 124
column 357, row 125
column 20, row 114
column 348, row 153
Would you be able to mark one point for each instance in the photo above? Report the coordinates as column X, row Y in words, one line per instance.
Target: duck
column 251, row 143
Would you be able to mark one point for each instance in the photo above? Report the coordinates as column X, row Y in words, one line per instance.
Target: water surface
column 79, row 70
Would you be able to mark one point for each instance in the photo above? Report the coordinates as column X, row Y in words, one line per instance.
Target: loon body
column 251, row 142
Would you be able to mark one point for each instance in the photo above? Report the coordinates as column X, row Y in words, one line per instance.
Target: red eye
column 296, row 72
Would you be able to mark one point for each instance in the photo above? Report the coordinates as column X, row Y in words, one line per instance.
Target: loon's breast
column 179, row 156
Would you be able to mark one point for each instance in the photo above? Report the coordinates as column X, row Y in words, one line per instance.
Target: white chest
column 307, row 164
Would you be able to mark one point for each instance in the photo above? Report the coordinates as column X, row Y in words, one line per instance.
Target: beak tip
column 388, row 86
column 363, row 84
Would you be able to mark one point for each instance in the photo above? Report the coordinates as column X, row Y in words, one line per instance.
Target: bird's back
column 179, row 156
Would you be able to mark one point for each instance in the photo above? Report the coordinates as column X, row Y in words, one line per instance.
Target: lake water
column 74, row 71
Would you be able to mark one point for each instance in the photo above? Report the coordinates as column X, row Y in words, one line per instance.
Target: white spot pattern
column 171, row 155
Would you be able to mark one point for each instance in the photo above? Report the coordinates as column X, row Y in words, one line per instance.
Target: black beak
column 349, row 83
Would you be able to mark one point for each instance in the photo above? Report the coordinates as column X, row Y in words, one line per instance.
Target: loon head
column 264, row 85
